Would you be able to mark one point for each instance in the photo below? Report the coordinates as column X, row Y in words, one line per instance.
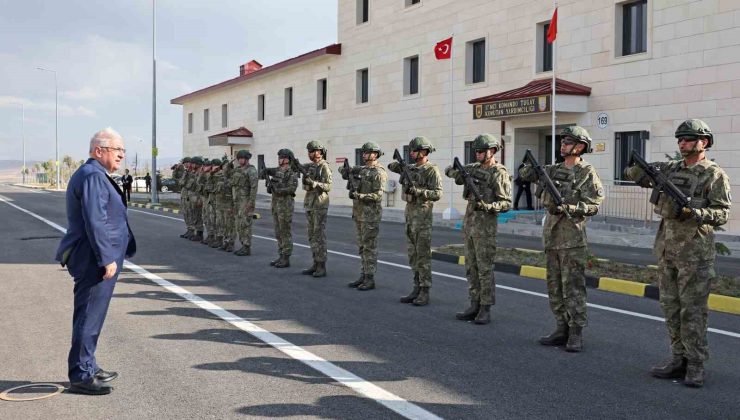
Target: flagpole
column 452, row 122
column 552, row 104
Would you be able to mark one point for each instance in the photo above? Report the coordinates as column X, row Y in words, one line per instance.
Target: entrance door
column 548, row 150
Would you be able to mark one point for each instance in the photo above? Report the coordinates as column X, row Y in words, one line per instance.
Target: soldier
column 225, row 215
column 420, row 194
column 244, row 190
column 181, row 173
column 192, row 218
column 214, row 239
column 564, row 235
column 282, row 186
column 480, row 225
column 685, row 248
column 368, row 184
column 197, row 199
column 206, row 196
column 317, row 184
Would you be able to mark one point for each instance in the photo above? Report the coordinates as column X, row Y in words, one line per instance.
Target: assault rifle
column 544, row 179
column 262, row 173
column 406, row 179
column 296, row 165
column 470, row 182
column 347, row 175
column 660, row 183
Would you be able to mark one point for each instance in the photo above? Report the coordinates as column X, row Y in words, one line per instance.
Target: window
column 358, row 158
column 633, row 27
column 321, row 90
column 411, row 2
column 544, row 49
column 407, row 154
column 190, row 122
column 205, row 119
column 224, row 115
column 624, row 143
column 288, row 101
column 363, row 11
column 261, row 108
column 363, row 85
column 475, row 57
column 411, row 75
column 469, row 153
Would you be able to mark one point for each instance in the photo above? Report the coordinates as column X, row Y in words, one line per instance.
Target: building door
column 548, row 150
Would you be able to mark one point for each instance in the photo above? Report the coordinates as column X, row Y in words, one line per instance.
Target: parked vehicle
column 169, row 185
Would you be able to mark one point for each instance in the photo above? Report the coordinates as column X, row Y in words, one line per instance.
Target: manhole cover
column 31, row 392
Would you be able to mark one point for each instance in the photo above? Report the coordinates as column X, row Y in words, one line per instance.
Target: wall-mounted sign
column 602, row 120
column 512, row 108
column 600, row 147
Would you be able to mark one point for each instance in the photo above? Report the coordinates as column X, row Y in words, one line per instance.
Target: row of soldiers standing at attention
column 571, row 191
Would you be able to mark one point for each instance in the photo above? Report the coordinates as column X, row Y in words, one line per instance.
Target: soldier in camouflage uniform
column 480, row 225
column 178, row 173
column 317, row 184
column 208, row 220
column 685, row 248
column 368, row 184
column 244, row 182
column 420, row 194
column 197, row 197
column 225, row 215
column 215, row 238
column 564, row 235
column 193, row 218
column 282, row 186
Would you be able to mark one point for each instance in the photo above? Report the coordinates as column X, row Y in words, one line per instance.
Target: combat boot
column 275, row 261
column 368, row 284
column 575, row 339
column 206, row 240
column 197, row 237
column 320, row 269
column 243, row 251
column 470, row 313
column 423, row 298
column 357, row 282
column 557, row 337
column 283, row 262
column 484, row 315
column 411, row 296
column 229, row 247
column 185, row 235
column 694, row 375
column 216, row 242
column 673, row 368
column 310, row 270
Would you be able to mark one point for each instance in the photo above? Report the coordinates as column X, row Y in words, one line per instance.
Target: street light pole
column 155, row 195
column 23, row 140
column 56, row 121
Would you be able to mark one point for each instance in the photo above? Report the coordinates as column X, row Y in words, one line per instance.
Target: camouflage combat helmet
column 580, row 135
column 485, row 142
column 695, row 128
column 186, row 160
column 421, row 143
column 372, row 147
column 286, row 153
column 197, row 160
column 243, row 154
column 216, row 162
column 316, row 145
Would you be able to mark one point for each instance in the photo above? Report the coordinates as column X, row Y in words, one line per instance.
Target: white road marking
column 451, row 276
column 345, row 377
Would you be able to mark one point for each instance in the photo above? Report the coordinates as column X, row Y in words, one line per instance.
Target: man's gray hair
column 103, row 138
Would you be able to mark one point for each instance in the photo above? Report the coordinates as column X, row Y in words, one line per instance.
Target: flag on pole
column 443, row 49
column 552, row 31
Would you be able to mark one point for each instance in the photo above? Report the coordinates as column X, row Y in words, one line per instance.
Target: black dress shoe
column 105, row 376
column 95, row 387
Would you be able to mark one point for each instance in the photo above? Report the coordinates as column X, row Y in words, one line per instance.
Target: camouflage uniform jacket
column 283, row 182
column 222, row 189
column 178, row 174
column 709, row 189
column 190, row 179
column 428, row 184
column 370, row 182
column 317, row 195
column 244, row 182
column 200, row 183
column 579, row 186
column 494, row 185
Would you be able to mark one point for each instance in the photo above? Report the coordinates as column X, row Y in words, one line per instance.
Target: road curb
column 158, row 208
column 717, row 302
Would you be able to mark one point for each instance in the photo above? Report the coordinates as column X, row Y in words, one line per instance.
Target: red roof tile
column 334, row 49
column 535, row 88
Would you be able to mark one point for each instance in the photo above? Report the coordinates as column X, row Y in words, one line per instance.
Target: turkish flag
column 552, row 31
column 443, row 49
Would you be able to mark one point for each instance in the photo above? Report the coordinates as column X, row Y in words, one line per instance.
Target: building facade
column 627, row 71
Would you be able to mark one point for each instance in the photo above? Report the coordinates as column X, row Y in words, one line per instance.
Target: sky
column 102, row 53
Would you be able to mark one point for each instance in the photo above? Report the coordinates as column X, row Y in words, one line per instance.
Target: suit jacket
column 127, row 181
column 98, row 232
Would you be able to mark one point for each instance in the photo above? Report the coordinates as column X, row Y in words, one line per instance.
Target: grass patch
column 597, row 267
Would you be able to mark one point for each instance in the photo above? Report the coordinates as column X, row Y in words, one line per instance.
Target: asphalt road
column 178, row 360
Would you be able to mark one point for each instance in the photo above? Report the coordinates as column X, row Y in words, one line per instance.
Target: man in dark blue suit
column 97, row 241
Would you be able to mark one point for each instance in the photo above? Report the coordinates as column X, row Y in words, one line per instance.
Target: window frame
column 322, row 94
column 620, row 161
column 472, row 58
column 288, row 102
column 358, row 157
column 362, row 12
column 190, row 123
column 224, row 115
column 468, row 152
column 363, row 86
column 640, row 8
column 206, row 119
column 261, row 103
column 411, row 80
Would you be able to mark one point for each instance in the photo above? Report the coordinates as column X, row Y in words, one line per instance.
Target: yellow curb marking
column 727, row 304
column 534, row 272
column 461, row 260
column 622, row 286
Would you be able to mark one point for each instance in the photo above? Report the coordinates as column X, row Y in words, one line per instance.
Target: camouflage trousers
column 367, row 243
column 684, row 292
column 225, row 220
column 185, row 208
column 566, row 284
column 419, row 241
column 282, row 214
column 480, row 253
column 316, row 226
column 209, row 216
column 196, row 212
column 244, row 212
